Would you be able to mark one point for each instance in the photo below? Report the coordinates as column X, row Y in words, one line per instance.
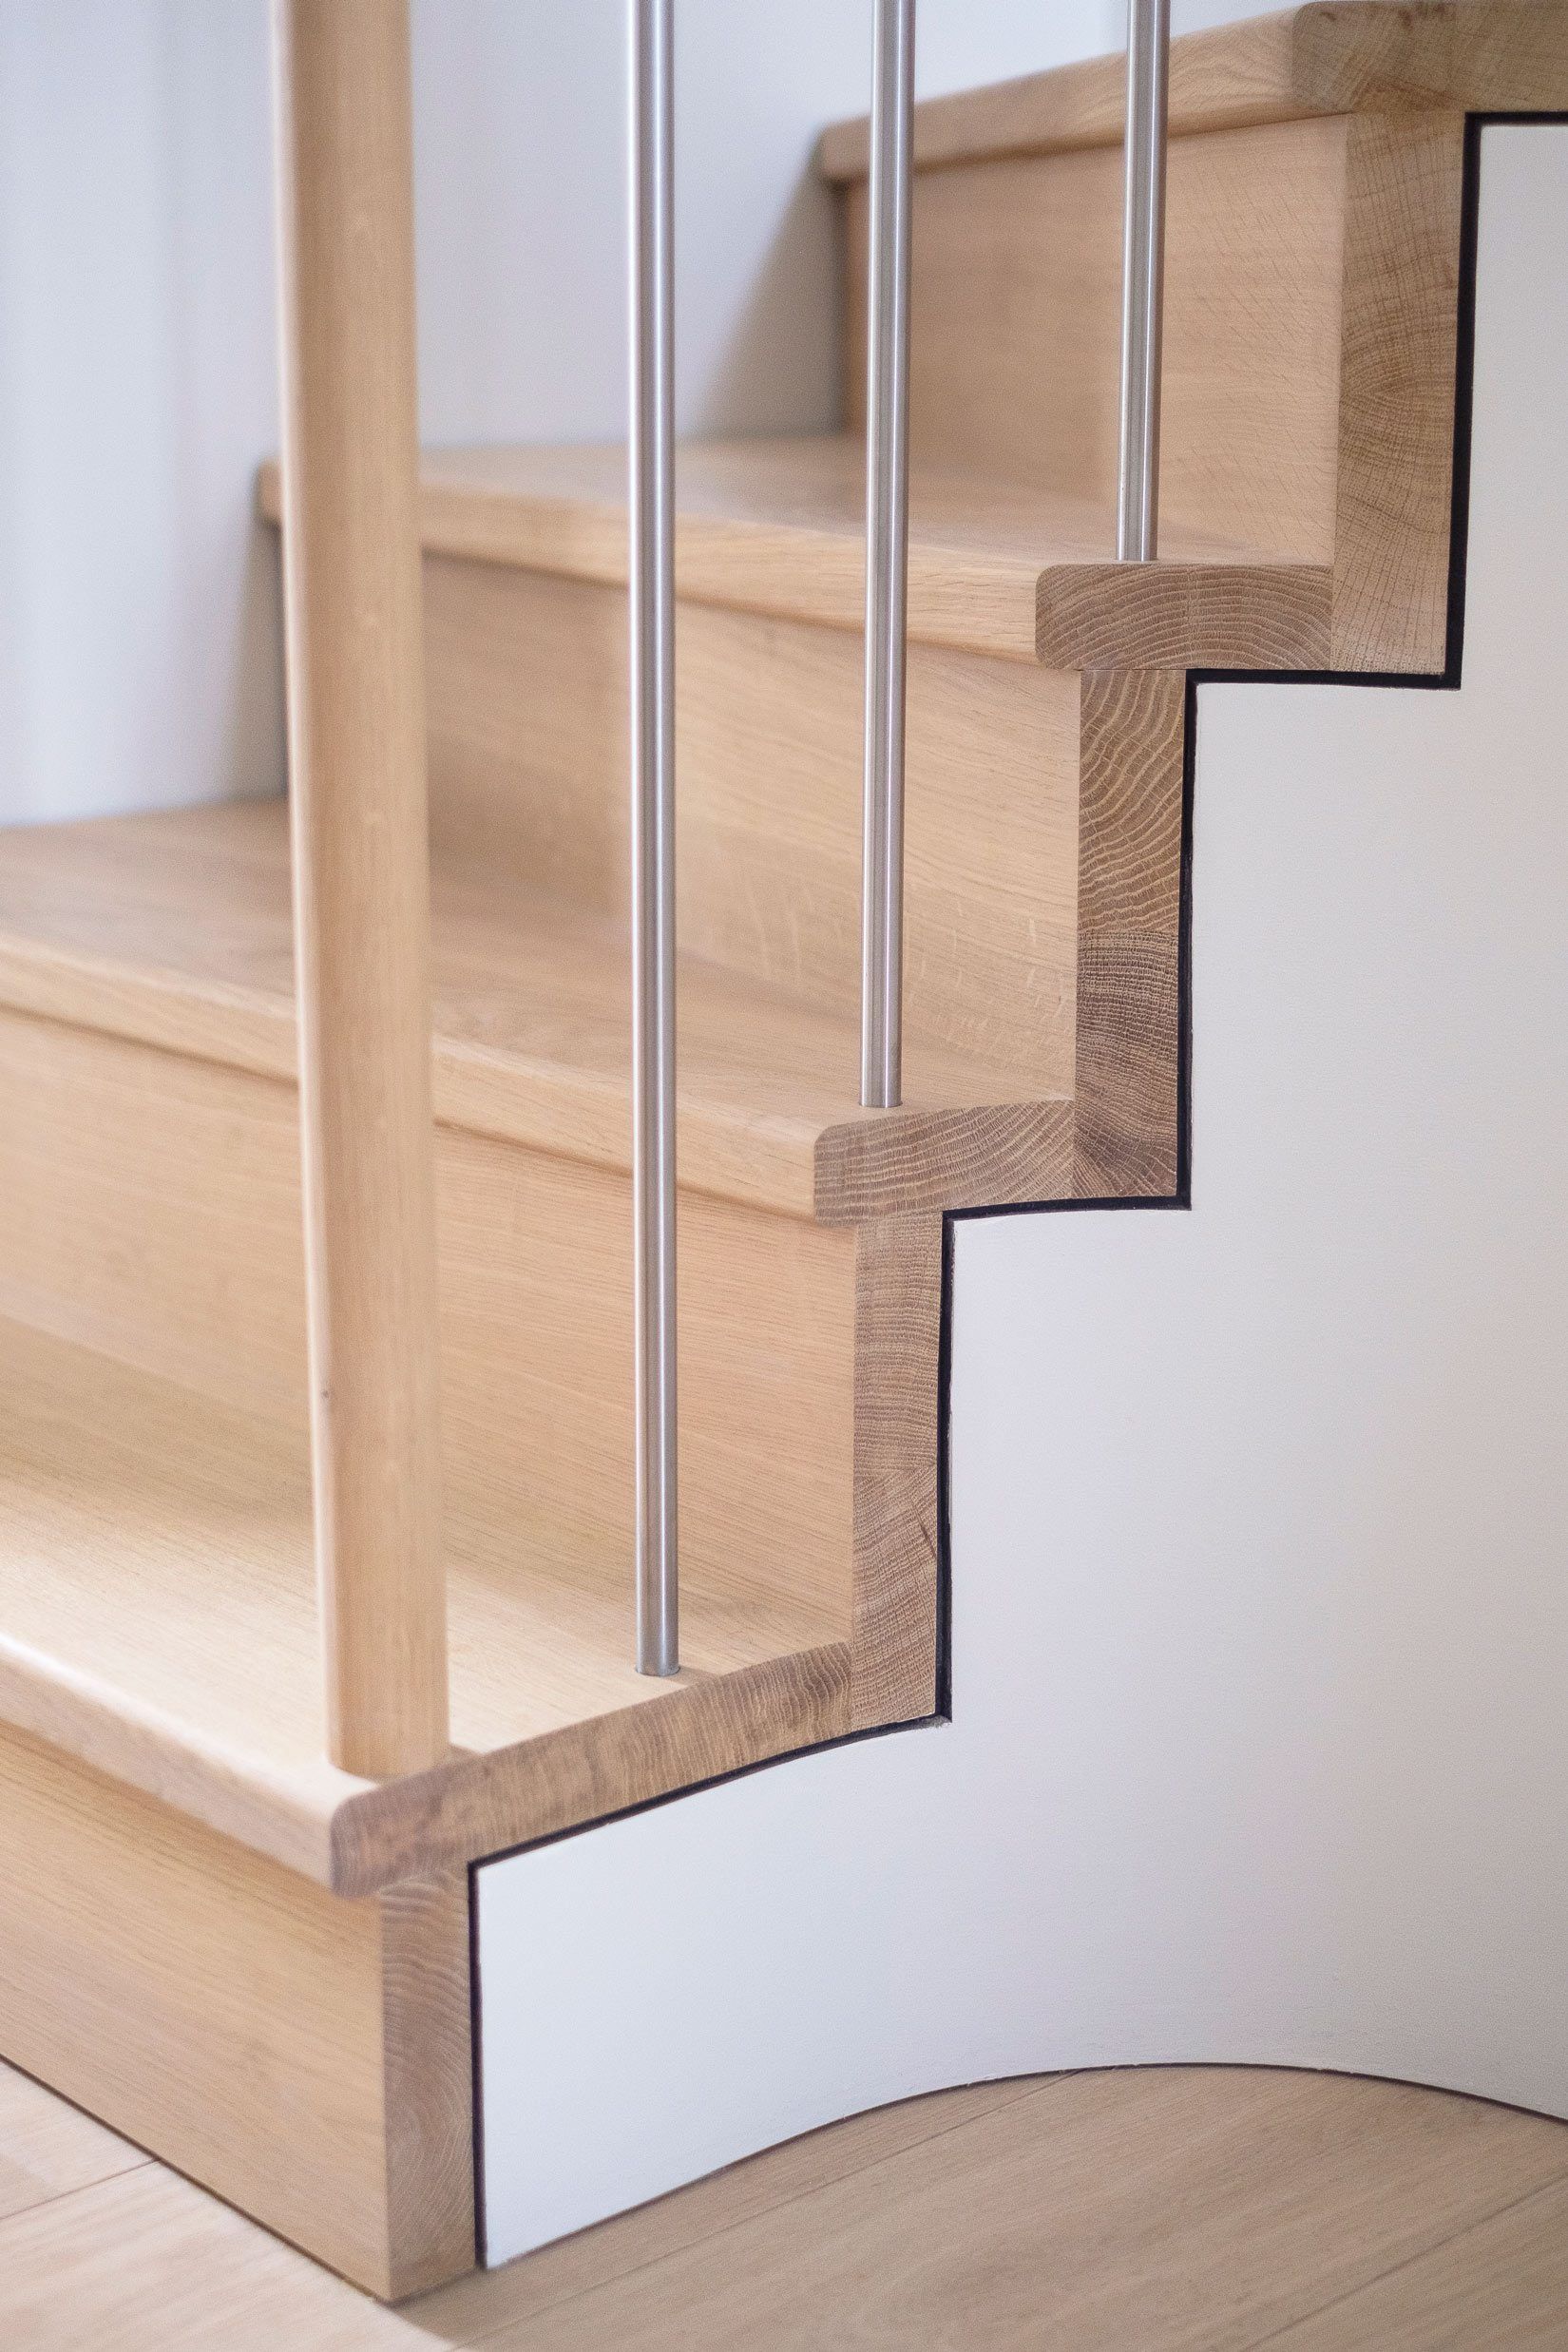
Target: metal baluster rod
column 886, row 557
column 652, row 599
column 1143, row 279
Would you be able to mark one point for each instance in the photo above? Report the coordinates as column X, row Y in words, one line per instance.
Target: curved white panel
column 1261, row 1594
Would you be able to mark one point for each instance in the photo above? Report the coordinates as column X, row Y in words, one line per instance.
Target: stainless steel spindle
column 652, row 599
column 887, row 556
column 1143, row 279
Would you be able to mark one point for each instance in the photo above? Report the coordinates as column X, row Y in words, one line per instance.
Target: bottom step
column 157, row 1621
column 306, row 2058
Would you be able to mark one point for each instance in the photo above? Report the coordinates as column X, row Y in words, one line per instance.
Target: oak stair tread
column 777, row 527
column 175, row 929
column 157, row 1620
column 1329, row 57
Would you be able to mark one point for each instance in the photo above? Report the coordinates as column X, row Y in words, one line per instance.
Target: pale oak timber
column 776, row 526
column 1129, row 936
column 902, row 1161
column 158, row 1621
column 1394, row 508
column 1167, row 2209
column 159, row 2264
column 480, row 2306
column 154, row 1214
column 1343, row 57
column 1254, row 291
column 768, row 727
column 1174, row 616
column 1483, row 56
column 361, row 886
column 1225, row 79
column 1363, row 2213
column 255, row 2030
column 174, row 930
column 771, row 850
column 893, row 1653
column 1502, row 2282
column 48, row 2147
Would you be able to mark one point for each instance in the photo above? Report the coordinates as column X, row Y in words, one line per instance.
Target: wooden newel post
column 361, row 869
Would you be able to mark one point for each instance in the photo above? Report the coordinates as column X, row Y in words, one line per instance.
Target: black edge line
column 1444, row 680
column 476, row 2069
column 943, row 1695
column 701, row 1787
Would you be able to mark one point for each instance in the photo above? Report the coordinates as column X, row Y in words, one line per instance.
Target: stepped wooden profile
column 224, row 1864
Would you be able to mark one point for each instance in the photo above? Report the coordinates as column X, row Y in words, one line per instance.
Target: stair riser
column 306, row 2058
column 528, row 744
column 1017, row 277
column 153, row 1211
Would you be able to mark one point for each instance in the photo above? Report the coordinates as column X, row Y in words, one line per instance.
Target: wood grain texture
column 1224, row 79
column 361, row 885
column 156, row 2264
column 694, row 1730
column 897, row 1539
column 476, row 2307
column 1404, row 191
column 1130, row 820
column 173, row 929
column 1339, row 57
column 1016, row 295
column 48, row 2147
column 1480, row 56
column 152, row 2264
column 895, row 1163
column 777, row 526
column 765, row 525
column 771, row 852
column 154, row 1214
column 1174, row 616
column 428, row 2081
column 159, row 1619
column 1144, row 2208
column 235, row 2020
column 1173, row 2211
column 1502, row 2282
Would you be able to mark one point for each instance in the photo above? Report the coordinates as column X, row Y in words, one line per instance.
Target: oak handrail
column 361, row 871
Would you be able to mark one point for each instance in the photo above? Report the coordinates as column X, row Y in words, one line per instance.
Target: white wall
column 138, row 603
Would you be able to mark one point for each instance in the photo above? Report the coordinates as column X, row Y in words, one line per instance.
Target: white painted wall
column 1259, row 1511
column 138, row 605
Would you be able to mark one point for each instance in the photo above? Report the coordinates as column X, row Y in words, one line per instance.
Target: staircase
column 245, row 1955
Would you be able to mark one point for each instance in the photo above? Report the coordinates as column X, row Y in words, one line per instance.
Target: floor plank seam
column 1036, row 2088
column 1408, row 2262
column 81, row 2189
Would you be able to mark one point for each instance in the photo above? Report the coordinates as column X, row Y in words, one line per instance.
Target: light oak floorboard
column 149, row 2262
column 1183, row 2209
column 1173, row 2208
column 477, row 2309
column 48, row 2147
column 152, row 2264
column 1503, row 2284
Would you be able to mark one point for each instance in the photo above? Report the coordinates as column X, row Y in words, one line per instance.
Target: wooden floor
column 1138, row 2212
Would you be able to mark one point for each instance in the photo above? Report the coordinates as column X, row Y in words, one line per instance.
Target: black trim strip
column 476, row 2069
